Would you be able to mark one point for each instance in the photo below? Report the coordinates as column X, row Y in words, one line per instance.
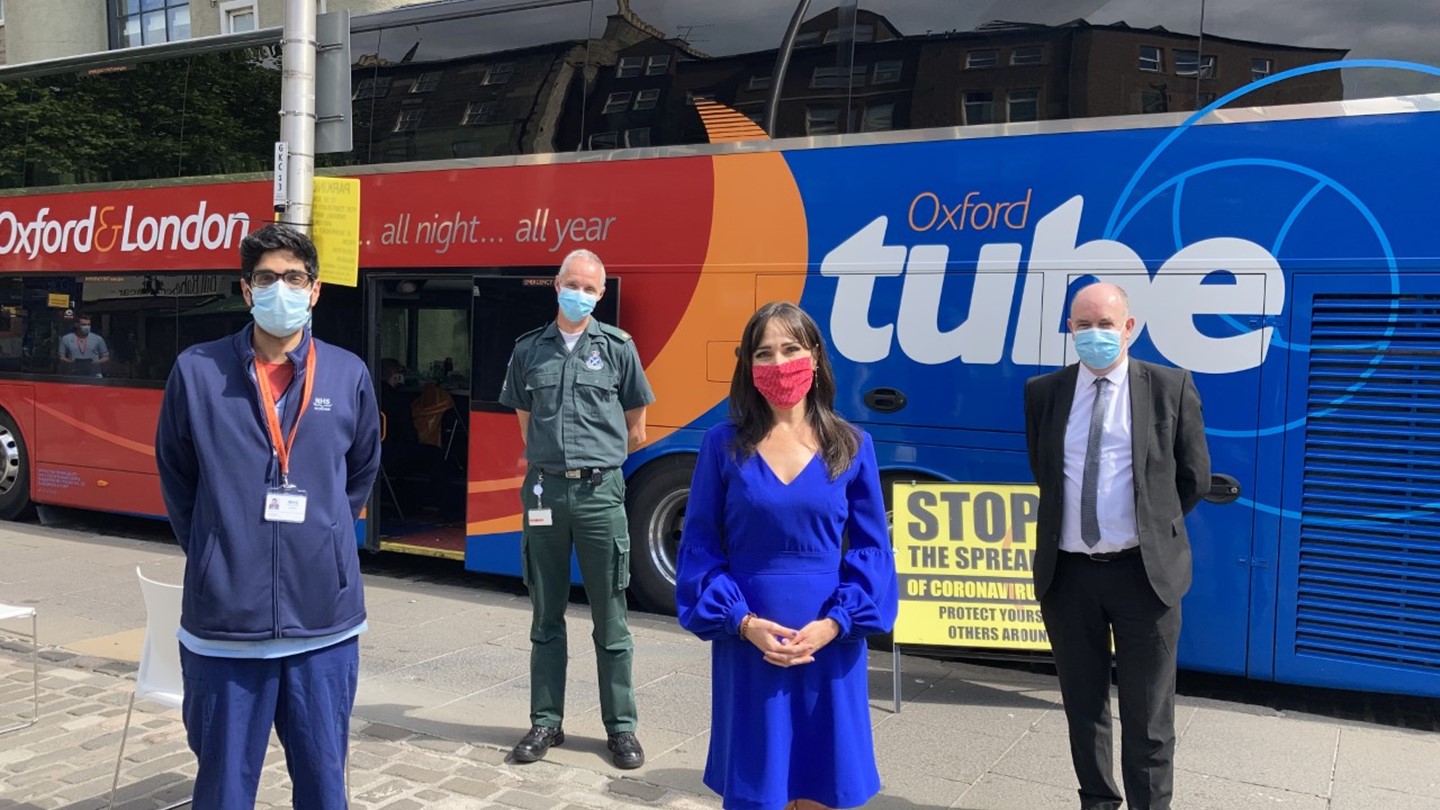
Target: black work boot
column 625, row 751
column 536, row 743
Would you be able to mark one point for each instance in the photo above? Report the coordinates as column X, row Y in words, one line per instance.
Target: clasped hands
column 785, row 647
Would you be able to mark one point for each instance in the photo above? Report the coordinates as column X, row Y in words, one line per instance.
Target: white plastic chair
column 159, row 679
column 10, row 613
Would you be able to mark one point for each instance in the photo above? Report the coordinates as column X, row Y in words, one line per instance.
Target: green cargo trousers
column 591, row 520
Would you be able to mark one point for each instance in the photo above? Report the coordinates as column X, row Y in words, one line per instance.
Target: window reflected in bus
column 690, row 72
column 200, row 115
column 473, row 86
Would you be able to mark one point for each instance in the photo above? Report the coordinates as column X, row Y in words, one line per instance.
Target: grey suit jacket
column 1171, row 466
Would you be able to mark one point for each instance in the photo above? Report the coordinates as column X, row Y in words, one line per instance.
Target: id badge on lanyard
column 539, row 516
column 285, row 503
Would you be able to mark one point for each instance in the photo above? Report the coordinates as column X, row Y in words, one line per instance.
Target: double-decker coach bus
column 930, row 179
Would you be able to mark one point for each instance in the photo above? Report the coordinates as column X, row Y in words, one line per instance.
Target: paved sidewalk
column 68, row 759
column 444, row 694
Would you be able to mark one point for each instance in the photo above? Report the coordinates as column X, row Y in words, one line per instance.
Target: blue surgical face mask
column 1098, row 348
column 575, row 305
column 280, row 310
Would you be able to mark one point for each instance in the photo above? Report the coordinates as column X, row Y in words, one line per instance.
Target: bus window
column 178, row 117
column 653, row 59
column 506, row 307
column 114, row 327
column 1401, row 30
column 936, row 64
column 858, row 66
column 364, row 89
column 229, row 116
column 490, row 83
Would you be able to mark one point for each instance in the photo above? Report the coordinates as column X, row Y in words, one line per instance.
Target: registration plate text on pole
column 282, row 167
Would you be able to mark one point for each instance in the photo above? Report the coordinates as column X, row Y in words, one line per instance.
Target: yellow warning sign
column 965, row 553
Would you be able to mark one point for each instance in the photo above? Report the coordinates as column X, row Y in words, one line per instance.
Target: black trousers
column 1086, row 603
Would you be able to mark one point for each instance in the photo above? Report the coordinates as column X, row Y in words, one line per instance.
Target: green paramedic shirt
column 576, row 400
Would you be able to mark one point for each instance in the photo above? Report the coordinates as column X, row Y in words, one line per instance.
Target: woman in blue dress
column 763, row 574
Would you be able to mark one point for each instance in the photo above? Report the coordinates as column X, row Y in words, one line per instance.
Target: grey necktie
column 1089, row 520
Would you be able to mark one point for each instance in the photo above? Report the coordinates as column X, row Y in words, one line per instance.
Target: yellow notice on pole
column 965, row 553
column 58, row 301
column 336, row 229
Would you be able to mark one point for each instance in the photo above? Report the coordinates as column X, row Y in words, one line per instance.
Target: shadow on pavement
column 159, row 790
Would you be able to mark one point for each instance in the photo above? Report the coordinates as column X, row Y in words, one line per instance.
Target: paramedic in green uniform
column 578, row 389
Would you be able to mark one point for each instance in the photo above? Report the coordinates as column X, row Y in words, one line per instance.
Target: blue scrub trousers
column 231, row 704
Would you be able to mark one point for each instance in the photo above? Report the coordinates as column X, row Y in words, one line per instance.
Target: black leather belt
column 595, row 474
column 1109, row 556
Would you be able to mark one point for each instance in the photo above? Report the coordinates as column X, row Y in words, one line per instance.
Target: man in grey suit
column 1118, row 449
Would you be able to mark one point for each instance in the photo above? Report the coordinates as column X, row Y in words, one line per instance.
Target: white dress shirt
column 1115, row 489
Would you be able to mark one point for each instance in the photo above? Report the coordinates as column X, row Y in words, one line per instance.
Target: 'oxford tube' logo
column 1165, row 302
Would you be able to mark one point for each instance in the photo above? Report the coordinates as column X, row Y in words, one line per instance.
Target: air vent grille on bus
column 1369, row 577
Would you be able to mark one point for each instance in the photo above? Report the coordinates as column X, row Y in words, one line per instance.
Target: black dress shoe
column 536, row 743
column 625, row 751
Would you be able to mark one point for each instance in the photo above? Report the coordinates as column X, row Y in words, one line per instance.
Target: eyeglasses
column 295, row 279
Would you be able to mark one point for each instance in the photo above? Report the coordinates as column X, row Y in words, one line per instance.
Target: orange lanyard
column 272, row 412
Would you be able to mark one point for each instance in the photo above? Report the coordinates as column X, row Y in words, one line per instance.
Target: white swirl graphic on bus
column 110, row 227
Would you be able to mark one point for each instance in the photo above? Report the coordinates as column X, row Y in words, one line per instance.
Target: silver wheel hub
column 662, row 535
column 9, row 461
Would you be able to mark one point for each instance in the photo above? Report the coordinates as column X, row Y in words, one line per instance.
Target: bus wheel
column 656, row 507
column 14, row 470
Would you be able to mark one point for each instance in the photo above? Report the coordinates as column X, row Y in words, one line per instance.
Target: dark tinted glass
column 138, row 323
column 653, row 59
column 506, row 307
column 1256, row 40
column 478, row 85
column 364, row 48
column 1025, row 60
column 464, row 80
column 878, row 65
column 197, row 115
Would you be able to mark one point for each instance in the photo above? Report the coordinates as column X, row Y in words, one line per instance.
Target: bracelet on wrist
column 745, row 624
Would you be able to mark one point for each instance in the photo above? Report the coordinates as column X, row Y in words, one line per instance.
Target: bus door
column 504, row 307
column 1226, row 356
column 419, row 350
column 1358, row 568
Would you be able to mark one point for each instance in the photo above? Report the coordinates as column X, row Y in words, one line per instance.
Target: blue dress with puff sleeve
column 753, row 544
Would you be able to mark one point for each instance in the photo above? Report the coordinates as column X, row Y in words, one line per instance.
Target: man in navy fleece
column 267, row 446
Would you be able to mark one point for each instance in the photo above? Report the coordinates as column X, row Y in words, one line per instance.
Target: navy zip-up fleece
column 246, row 578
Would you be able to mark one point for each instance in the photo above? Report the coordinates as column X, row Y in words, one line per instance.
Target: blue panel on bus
column 943, row 271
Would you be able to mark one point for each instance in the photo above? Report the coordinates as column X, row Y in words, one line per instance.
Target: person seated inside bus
column 82, row 352
column 414, row 467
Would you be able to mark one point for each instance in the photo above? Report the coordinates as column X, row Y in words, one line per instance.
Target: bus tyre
column 14, row 470
column 655, row 503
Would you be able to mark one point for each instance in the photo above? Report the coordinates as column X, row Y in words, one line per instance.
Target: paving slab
column 996, row 791
column 1391, row 762
column 1270, row 750
column 1220, row 793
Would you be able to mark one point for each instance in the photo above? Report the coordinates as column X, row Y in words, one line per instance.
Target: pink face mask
column 786, row 384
